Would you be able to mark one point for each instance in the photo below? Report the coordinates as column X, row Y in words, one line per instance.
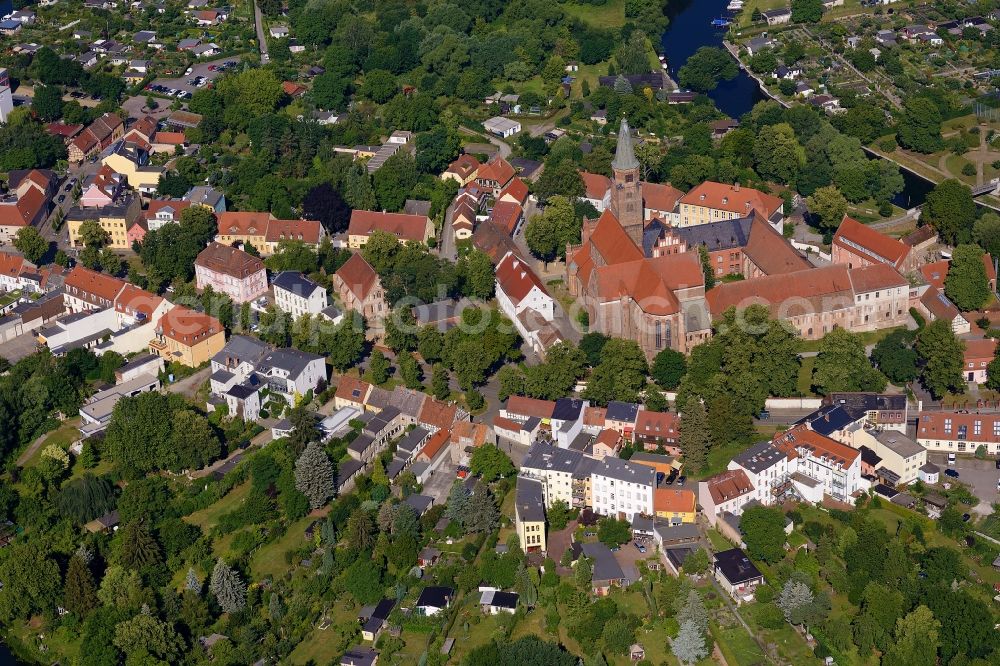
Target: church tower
column 626, row 195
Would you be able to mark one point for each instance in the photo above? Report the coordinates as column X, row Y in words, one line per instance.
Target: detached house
column 523, row 298
column 187, row 337
column 297, row 295
column 233, row 272
column 359, row 288
column 495, row 175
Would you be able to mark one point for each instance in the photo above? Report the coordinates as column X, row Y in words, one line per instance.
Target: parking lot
column 979, row 475
column 439, row 485
column 199, row 76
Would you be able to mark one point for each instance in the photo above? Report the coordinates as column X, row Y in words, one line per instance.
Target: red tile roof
column 434, row 444
column 980, row 349
column 662, row 197
column 931, row 425
column 819, row 446
column 769, row 250
column 595, row 185
column 728, row 485
column 938, row 304
column 732, row 198
column 24, row 211
column 229, row 261
column 93, row 287
column 506, row 215
column 188, row 327
column 293, row 89
column 869, row 243
column 438, row 414
column 464, row 166
column 516, row 279
column 773, row 290
column 358, row 275
column 132, row 299
column 651, row 282
column 243, row 223
column 670, row 500
column 497, row 170
column 656, row 424
column 12, row 265
column 307, row 231
column 352, row 389
column 63, row 130
column 876, row 276
column 610, row 242
column 935, row 272
column 506, row 424
column 156, row 205
column 145, row 128
column 170, row 138
column 402, row 226
column 522, row 406
column 517, row 189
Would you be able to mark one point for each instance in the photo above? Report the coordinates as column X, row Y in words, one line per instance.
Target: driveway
column 258, row 18
column 189, row 386
column 449, row 250
column 979, row 475
column 439, row 485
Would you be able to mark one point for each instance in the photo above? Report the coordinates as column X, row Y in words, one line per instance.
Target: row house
column 378, row 430
column 979, row 353
column 262, row 230
column 27, row 205
column 99, row 135
column 115, row 218
column 231, row 271
column 405, row 228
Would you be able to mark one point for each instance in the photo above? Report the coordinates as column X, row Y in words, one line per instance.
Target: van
column 951, row 459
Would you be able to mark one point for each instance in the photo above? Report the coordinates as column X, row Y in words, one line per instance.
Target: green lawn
column 737, row 646
column 319, row 647
column 804, row 383
column 269, row 560
column 63, row 437
column 718, row 459
column 208, row 517
column 608, row 15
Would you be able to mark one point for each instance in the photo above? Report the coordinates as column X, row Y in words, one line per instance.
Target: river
column 690, row 28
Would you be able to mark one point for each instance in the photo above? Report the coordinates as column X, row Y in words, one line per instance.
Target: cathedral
column 658, row 301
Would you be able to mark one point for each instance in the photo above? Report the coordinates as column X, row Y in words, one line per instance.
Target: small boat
column 721, row 22
column 735, row 5
column 663, row 65
column 662, row 58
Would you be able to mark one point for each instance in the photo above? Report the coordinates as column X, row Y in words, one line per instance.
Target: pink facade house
column 231, row 271
column 101, row 189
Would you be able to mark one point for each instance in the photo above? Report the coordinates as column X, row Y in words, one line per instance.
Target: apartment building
column 231, row 271
column 115, row 219
column 958, row 432
column 297, row 295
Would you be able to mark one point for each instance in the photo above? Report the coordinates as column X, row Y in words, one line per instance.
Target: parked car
column 952, row 473
column 966, row 517
column 681, row 480
column 640, row 547
column 62, row 197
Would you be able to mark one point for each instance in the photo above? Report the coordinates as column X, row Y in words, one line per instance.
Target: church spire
column 624, row 153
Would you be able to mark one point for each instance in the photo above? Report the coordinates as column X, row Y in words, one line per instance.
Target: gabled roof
column 608, row 244
column 506, row 215
column 516, row 279
column 732, row 198
column 92, row 286
column 516, row 188
column 938, row 304
column 770, row 252
column 773, row 290
column 402, row 226
column 657, row 196
column 133, row 300
column 352, row 389
column 874, row 277
column 656, row 424
column 595, row 185
column 464, row 166
column 874, row 245
column 358, row 275
column 307, row 231
column 229, row 261
column 728, row 485
column 819, row 446
column 188, row 327
column 980, row 349
column 522, row 406
column 672, row 500
column 232, row 223
column 12, row 265
column 295, row 282
column 496, row 170
column 651, row 282
column 437, row 413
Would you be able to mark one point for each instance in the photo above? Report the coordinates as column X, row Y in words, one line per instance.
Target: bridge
column 986, row 188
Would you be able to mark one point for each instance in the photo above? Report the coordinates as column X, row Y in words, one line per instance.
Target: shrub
column 969, row 169
column 885, row 209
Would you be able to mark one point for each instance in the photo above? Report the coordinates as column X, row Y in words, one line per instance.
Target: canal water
column 690, row 28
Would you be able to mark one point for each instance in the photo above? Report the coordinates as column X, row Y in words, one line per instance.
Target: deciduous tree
column 967, row 284
column 31, row 243
column 842, row 365
column 941, row 353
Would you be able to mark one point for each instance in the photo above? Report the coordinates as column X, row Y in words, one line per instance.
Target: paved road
column 189, row 386
column 504, row 148
column 448, row 250
column 258, row 18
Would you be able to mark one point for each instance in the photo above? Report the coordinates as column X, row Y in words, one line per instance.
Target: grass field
column 608, row 15
column 737, row 646
column 269, row 560
column 804, row 383
column 208, row 517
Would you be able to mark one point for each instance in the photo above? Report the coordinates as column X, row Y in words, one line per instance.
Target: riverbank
column 735, row 52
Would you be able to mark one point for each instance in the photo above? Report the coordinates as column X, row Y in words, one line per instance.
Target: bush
column 887, row 144
column 917, row 317
column 969, row 169
column 769, row 616
column 885, row 209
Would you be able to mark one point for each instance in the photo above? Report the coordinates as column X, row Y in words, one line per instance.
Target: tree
column 193, row 443
column 79, row 590
column 592, row 344
column 689, row 645
column 145, row 639
column 139, row 550
column 227, row 587
column 894, row 356
column 951, row 210
column 360, row 530
column 31, row 244
column 583, row 575
column 827, row 206
column 379, row 368
column 966, row 283
column 706, row 68
column 47, row 102
column 919, row 126
column 777, row 153
column 695, row 439
column 483, row 515
column 364, row 581
column 993, row 374
column 31, row 581
column 654, row 399
column 436, row 149
column 379, row 86
column 440, row 382
column 764, row 533
column 93, row 234
column 457, row 507
column 941, row 353
column 843, row 366
column 394, row 181
column 525, row 587
column 916, row 639
column 986, row 233
column 314, row 475
column 191, row 582
column 561, row 178
column 409, row 371
column 697, row 562
column 693, row 611
column 547, row 234
column 795, row 596
column 490, row 463
column 621, row 374
column 478, row 277
column 613, row 532
column 807, row 11
column 668, row 368
column 324, row 204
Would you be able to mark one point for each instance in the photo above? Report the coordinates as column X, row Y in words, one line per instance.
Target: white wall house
column 297, row 295
column 522, row 297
